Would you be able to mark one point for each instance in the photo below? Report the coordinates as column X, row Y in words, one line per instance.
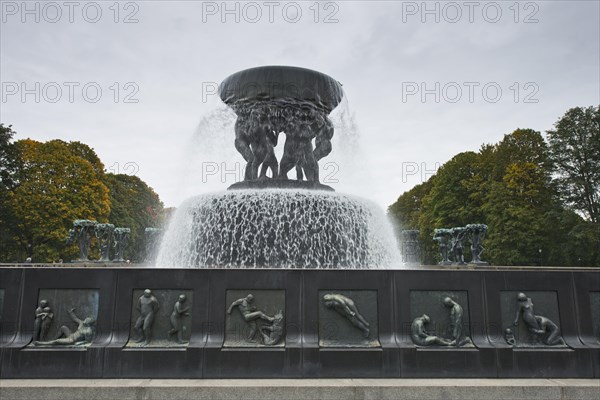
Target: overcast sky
column 487, row 68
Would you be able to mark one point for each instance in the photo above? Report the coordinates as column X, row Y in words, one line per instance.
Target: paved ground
column 264, row 389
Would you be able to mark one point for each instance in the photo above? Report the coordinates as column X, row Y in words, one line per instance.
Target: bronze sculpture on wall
column 179, row 311
column 43, row 320
column 83, row 335
column 541, row 328
column 147, row 306
column 346, row 308
column 265, row 329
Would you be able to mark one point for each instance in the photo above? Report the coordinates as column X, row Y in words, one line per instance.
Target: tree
column 575, row 152
column 407, row 209
column 571, row 239
column 445, row 200
column 516, row 215
column 136, row 206
column 87, row 153
column 57, row 186
column 450, row 201
column 507, row 186
column 9, row 158
column 10, row 165
column 521, row 146
column 44, row 187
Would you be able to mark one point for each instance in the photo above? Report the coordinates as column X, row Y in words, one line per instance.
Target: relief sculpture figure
column 250, row 314
column 84, row 334
column 275, row 331
column 525, row 309
column 179, row 311
column 540, row 327
column 345, row 307
column 43, row 320
column 147, row 306
column 421, row 337
column 509, row 337
column 455, row 326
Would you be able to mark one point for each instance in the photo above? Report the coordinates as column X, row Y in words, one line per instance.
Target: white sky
column 379, row 50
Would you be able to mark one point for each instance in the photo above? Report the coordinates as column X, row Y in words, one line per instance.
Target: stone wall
column 294, row 325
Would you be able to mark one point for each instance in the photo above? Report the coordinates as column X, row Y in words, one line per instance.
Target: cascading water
column 279, row 229
column 272, row 221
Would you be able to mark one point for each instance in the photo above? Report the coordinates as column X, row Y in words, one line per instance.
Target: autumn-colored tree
column 515, row 213
column 518, row 198
column 57, row 186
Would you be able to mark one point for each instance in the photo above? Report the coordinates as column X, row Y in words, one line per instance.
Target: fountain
column 277, row 222
column 286, row 278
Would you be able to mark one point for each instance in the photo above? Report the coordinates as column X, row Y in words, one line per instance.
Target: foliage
column 10, row 165
column 9, row 159
column 136, row 206
column 449, row 202
column 44, row 187
column 515, row 213
column 56, row 186
column 509, row 187
column 575, row 152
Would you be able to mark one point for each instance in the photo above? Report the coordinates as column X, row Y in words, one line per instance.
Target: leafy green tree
column 407, row 209
column 10, row 165
column 136, row 206
column 509, row 187
column 449, row 203
column 56, row 187
column 9, row 158
column 445, row 200
column 575, row 151
column 521, row 146
column 571, row 240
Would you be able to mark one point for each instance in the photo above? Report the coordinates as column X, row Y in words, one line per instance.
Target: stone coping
column 265, row 389
column 99, row 264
